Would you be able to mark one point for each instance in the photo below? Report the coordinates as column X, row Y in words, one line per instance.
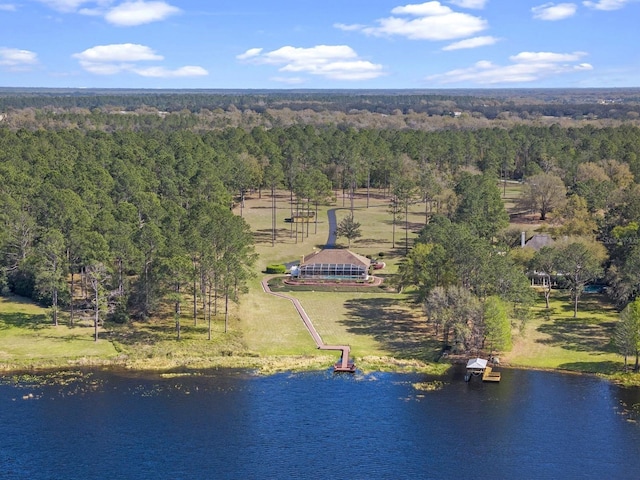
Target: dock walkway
column 344, row 365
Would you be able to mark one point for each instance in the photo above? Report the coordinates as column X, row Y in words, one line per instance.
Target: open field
column 27, row 337
column 554, row 339
column 390, row 324
column 384, row 328
column 376, row 322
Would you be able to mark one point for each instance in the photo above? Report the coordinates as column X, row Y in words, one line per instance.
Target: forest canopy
column 131, row 193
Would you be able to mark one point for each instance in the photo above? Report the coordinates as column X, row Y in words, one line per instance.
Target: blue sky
column 319, row 44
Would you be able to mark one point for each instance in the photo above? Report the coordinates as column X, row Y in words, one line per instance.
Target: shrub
column 119, row 314
column 276, row 268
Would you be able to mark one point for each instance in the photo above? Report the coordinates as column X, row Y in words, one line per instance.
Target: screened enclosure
column 333, row 271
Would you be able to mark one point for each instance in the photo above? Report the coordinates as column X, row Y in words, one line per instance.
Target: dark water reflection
column 533, row 425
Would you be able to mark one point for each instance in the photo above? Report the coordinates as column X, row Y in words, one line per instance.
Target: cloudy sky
column 319, row 44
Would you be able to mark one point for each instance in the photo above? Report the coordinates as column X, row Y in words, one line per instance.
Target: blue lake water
column 232, row 425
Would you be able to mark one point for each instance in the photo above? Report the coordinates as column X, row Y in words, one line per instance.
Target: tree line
column 136, row 218
column 572, row 103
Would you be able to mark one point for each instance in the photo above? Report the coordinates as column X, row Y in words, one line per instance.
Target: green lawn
column 27, row 336
column 383, row 328
column 374, row 322
column 554, row 339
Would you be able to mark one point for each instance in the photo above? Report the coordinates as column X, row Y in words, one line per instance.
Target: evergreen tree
column 626, row 335
column 349, row 229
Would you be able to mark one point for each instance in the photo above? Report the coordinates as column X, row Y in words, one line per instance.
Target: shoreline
column 261, row 365
column 273, row 365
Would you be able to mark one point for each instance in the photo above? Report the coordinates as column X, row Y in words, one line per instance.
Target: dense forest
column 126, row 197
column 554, row 102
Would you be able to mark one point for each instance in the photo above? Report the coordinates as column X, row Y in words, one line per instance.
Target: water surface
column 230, row 424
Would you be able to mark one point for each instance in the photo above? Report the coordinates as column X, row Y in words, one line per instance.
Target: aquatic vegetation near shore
column 428, row 386
column 71, row 382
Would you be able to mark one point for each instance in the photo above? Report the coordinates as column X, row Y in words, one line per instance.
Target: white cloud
column 525, row 67
column 335, row 62
column 15, row 59
column 92, row 12
column 126, row 14
column 305, row 56
column 425, row 21
column 606, row 4
column 124, row 57
column 8, row 7
column 422, row 9
column 546, row 57
column 129, row 14
column 477, row 4
column 252, row 52
column 474, row 42
column 161, row 72
column 552, row 12
column 121, row 52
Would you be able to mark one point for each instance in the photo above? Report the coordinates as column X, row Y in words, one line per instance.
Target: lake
column 233, row 425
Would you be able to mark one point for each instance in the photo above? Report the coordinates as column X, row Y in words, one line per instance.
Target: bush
column 276, row 268
column 119, row 314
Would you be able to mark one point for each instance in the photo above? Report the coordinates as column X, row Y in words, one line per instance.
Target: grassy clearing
column 27, row 337
column 265, row 332
column 554, row 339
column 381, row 327
column 378, row 324
column 511, row 193
column 386, row 330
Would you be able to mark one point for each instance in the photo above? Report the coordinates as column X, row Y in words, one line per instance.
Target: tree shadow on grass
column 148, row 335
column 606, row 368
column 398, row 330
column 586, row 334
column 264, row 235
column 23, row 320
column 588, row 302
column 370, row 242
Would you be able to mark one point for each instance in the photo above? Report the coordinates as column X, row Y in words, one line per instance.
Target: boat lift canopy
column 476, row 364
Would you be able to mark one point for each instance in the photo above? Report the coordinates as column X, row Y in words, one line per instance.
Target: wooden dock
column 344, row 364
column 490, row 376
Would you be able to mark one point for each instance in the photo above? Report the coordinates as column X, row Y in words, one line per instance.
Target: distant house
column 333, row 264
column 537, row 241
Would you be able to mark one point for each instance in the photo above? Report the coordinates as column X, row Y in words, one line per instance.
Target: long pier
column 344, row 365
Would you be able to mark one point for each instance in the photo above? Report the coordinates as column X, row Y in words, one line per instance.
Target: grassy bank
column 385, row 329
column 553, row 339
column 27, row 338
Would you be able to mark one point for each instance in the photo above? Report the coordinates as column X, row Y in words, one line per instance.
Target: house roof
column 477, row 363
column 538, row 241
column 337, row 256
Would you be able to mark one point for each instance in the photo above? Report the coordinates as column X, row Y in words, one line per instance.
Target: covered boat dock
column 477, row 367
